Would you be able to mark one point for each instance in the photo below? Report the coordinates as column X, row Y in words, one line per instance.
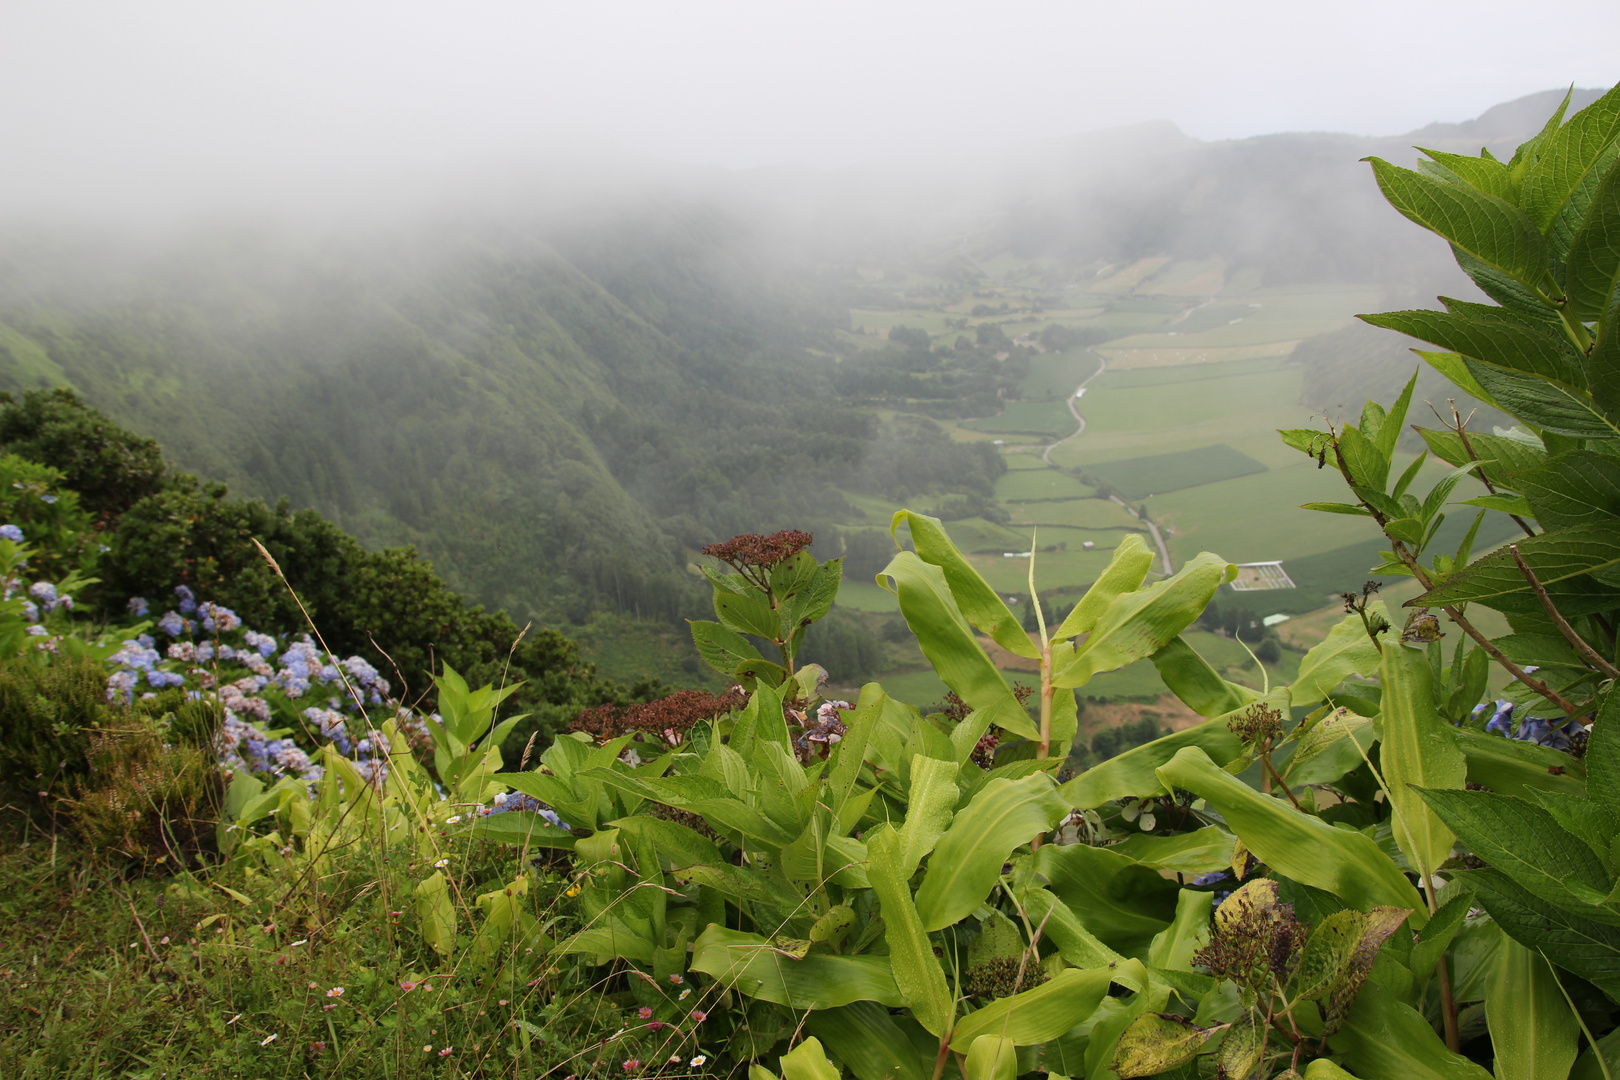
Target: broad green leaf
column 1533, row 1032
column 807, row 1061
column 1418, row 751
column 991, row 1058
column 1503, row 342
column 522, row 827
column 930, row 805
column 967, row 861
column 1433, row 940
column 1191, row 678
column 1347, row 650
column 1552, row 556
column 917, row 973
column 1525, row 842
column 747, row 963
column 1515, row 767
column 1603, row 757
column 1553, row 406
column 1490, row 229
column 702, row 795
column 1244, row 1045
column 807, row 595
column 748, row 613
column 1325, row 751
column 502, row 910
column 1501, row 456
column 1196, row 852
column 1578, row 487
column 1078, row 946
column 1592, row 267
column 1135, row 772
column 1386, row 1038
column 1345, row 987
column 982, row 605
column 947, row 639
column 1174, row 946
column 1589, row 949
column 1349, row 509
column 1122, row 904
column 678, row 846
column 1330, row 950
column 1324, row 1069
column 1482, row 173
column 867, row 1040
column 1589, row 1067
column 1038, row 1015
column 1571, row 160
column 1307, row 849
column 1454, row 367
column 1369, row 467
column 721, row 648
column 1138, row 624
column 436, row 913
column 1127, row 568
column 1603, row 364
column 610, row 939
column 1158, row 1042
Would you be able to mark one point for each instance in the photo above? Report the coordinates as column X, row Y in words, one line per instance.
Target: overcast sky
column 209, row 101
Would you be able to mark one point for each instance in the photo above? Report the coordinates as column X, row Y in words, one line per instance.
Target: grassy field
column 1138, row 477
column 1055, row 375
column 1077, row 513
column 1281, row 316
column 1028, row 418
column 1046, row 483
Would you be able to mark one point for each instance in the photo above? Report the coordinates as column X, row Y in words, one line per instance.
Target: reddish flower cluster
column 750, row 554
column 668, row 719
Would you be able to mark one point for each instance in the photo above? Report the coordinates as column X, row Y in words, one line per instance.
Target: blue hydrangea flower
column 188, row 599
column 12, row 533
column 217, row 619
column 172, row 624
column 30, row 611
column 1502, row 722
column 138, row 607
column 44, row 592
column 47, row 499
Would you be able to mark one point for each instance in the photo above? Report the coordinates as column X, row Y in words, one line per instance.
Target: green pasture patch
column 1141, row 476
column 1099, row 514
column 629, row 649
column 866, row 596
column 1187, row 277
column 1057, row 374
column 1210, row 316
column 1072, row 539
column 1138, row 680
column 1053, row 570
column 1028, row 418
column 1291, row 317
column 919, row 688
column 1047, row 483
column 1180, row 374
column 1024, row 461
column 977, row 534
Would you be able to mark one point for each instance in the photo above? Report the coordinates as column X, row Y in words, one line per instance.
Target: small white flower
column 452, row 819
column 685, row 994
column 336, row 991
column 300, row 941
column 441, row 864
column 268, row 1039
column 699, row 1061
column 233, row 1019
column 500, row 799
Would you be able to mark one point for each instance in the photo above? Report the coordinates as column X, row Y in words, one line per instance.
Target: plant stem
column 1448, row 1004
column 944, row 1055
column 1468, row 448
column 1265, row 759
column 1591, row 655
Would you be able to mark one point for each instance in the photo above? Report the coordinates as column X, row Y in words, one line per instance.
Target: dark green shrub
column 49, row 711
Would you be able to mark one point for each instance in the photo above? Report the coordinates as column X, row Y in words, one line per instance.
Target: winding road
column 1046, row 456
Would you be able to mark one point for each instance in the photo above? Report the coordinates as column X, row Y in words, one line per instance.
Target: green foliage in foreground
column 808, row 888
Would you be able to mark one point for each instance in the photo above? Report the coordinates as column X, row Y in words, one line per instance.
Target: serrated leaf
column 1587, row 948
column 1330, row 950
column 1488, row 228
column 1243, row 1046
column 1592, row 267
column 1514, row 345
column 1482, row 173
column 1158, row 1042
column 1552, row 556
column 721, row 648
column 1577, row 487
column 1554, row 406
column 1570, row 160
column 1525, row 842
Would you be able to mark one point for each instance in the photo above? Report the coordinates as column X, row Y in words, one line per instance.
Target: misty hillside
column 558, row 402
